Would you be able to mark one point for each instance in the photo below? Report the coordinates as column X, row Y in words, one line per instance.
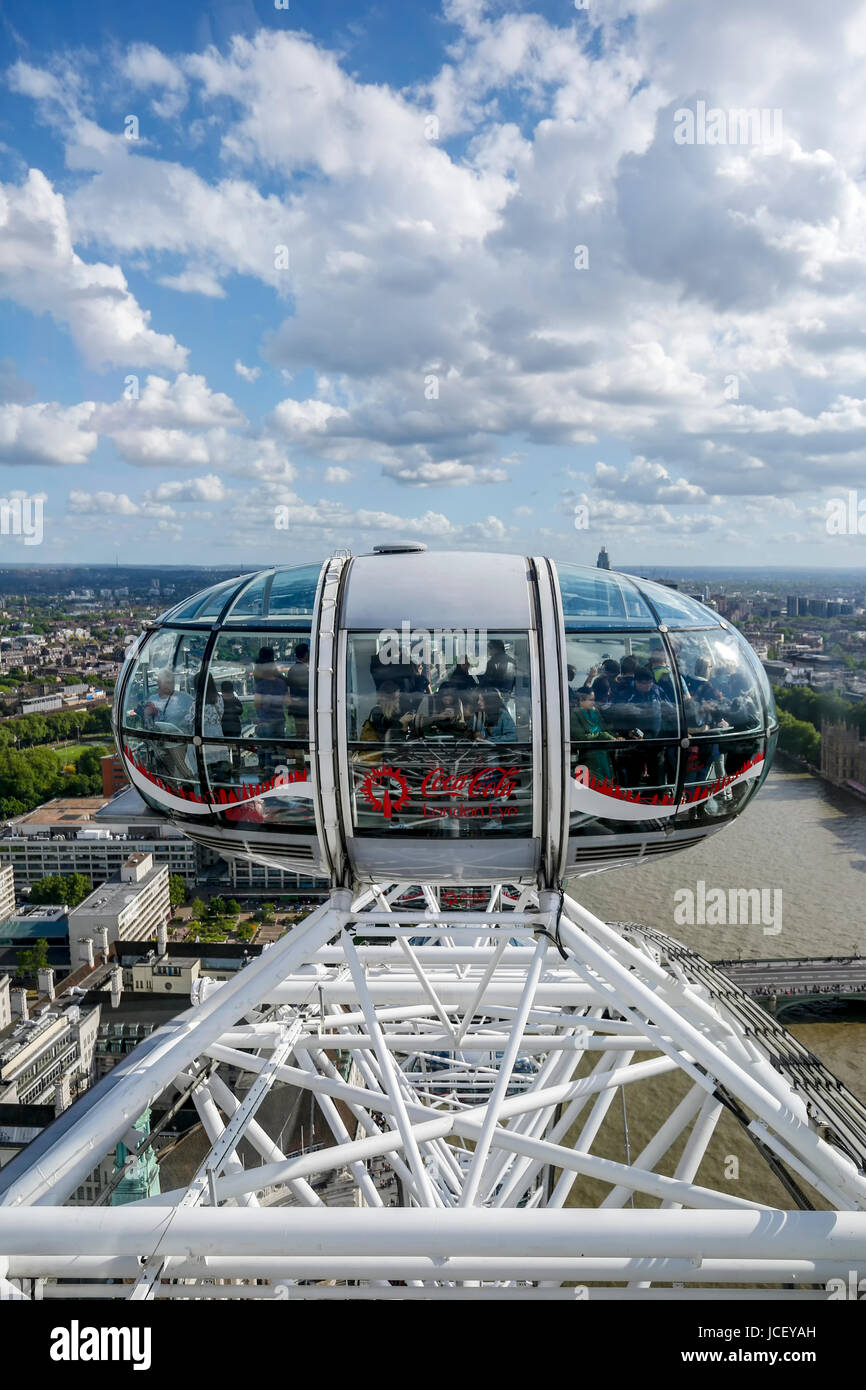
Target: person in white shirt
column 168, row 705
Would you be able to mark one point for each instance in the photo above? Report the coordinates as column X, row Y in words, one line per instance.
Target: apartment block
column 130, row 907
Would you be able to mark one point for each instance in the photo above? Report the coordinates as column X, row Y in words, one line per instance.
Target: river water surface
column 809, row 841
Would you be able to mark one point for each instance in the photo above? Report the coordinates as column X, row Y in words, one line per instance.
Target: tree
column 33, row 960
column 217, row 907
column 70, row 889
column 268, row 912
column 233, row 907
column 177, row 889
column 197, row 908
column 800, row 737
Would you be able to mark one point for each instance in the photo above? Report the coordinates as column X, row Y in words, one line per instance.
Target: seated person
column 699, row 685
column 491, row 720
column 741, row 711
column 460, row 677
column 167, row 705
column 588, row 725
column 571, row 676
column 603, row 692
column 441, row 715
column 387, row 722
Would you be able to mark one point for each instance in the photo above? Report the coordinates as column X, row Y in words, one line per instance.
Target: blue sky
column 322, row 262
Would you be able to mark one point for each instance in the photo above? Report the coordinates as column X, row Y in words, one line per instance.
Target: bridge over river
column 781, row 982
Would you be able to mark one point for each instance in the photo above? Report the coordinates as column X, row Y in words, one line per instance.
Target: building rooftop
column 115, row 895
column 71, row 811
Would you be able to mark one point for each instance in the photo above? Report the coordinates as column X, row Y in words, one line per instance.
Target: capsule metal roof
column 442, row 589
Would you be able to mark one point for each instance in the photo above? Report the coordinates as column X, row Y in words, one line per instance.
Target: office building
column 7, row 892
column 48, row 1060
column 130, row 907
column 94, row 837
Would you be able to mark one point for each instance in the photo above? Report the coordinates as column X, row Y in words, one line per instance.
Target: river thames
column 809, row 841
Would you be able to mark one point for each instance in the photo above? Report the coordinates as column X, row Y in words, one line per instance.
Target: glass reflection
column 440, row 736
column 161, row 692
column 167, row 762
column 723, row 694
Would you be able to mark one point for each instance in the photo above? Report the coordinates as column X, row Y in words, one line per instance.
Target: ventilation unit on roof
column 399, row 548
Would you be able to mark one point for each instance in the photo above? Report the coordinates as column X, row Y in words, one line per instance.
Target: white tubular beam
column 440, row 917
column 475, row 1002
column 631, row 993
column 346, row 1153
column 491, row 1118
column 606, row 1170
column 512, row 1105
column 390, row 1077
column 60, row 1159
column 557, row 1067
column 260, row 1139
column 341, row 1134
column 697, row 1142
column 526, row 1171
column 475, row 1231
column 424, row 981
column 669, row 1268
column 481, row 1042
column 682, row 997
column 365, row 1120
column 448, row 1293
column 215, row 1130
column 453, row 993
column 683, row 1114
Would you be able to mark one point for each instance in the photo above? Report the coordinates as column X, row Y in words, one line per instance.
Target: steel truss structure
column 473, row 1058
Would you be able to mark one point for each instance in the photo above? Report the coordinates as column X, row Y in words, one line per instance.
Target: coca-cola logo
column 487, row 783
column 386, row 789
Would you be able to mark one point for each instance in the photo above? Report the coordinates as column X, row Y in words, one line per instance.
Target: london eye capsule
column 444, row 718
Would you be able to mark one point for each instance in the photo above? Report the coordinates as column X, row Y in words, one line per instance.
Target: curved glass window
column 161, row 691
column 674, row 609
column 278, row 595
column 440, row 734
column 596, row 598
column 252, row 734
column 205, row 606
column 258, row 759
column 723, row 694
column 720, row 776
column 624, row 724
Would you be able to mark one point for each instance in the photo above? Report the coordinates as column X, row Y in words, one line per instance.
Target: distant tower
column 603, row 561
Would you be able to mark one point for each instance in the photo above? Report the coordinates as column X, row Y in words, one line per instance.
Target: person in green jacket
column 586, row 725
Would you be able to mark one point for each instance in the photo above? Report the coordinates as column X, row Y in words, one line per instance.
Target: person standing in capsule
column 270, row 698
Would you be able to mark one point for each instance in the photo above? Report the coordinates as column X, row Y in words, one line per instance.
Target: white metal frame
column 484, row 1157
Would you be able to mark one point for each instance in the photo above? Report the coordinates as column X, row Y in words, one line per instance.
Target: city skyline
column 276, row 282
